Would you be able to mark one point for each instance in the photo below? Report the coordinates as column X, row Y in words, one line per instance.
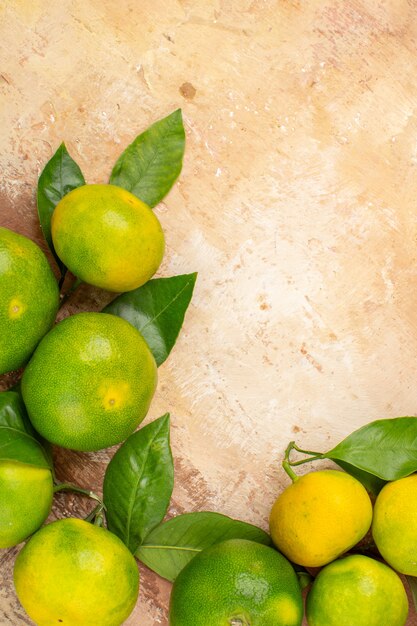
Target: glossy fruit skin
column 76, row 574
column 319, row 517
column 107, row 237
column 357, row 591
column 394, row 525
column 90, row 382
column 29, row 298
column 237, row 579
column 26, row 494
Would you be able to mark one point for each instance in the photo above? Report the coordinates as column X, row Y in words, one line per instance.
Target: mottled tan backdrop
column 296, row 205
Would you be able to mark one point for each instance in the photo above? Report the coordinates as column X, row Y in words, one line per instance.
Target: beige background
column 296, row 205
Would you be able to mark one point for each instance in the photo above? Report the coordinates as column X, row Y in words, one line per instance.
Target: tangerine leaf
column 138, row 483
column 384, row 448
column 18, row 439
column 157, row 311
column 153, row 161
column 13, row 412
column 372, row 483
column 169, row 547
column 60, row 176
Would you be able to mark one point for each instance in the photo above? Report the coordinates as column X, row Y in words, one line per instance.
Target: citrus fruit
column 90, row 382
column 29, row 298
column 25, row 500
column 357, row 591
column 107, row 237
column 237, row 583
column 320, row 516
column 76, row 574
column 394, row 526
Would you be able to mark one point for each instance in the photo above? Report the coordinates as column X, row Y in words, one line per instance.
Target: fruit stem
column 71, row 487
column 287, row 464
column 287, row 467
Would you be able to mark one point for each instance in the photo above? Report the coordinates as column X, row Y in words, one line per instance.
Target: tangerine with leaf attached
column 320, row 516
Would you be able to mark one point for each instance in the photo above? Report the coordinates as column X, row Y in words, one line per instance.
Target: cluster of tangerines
column 326, row 519
column 87, row 384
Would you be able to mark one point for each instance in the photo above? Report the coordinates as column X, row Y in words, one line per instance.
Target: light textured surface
column 296, row 205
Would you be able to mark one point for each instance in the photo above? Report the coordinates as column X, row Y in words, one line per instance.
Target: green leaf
column 13, row 412
column 372, row 483
column 138, row 483
column 60, row 176
column 384, row 448
column 18, row 440
column 168, row 548
column 157, row 310
column 151, row 164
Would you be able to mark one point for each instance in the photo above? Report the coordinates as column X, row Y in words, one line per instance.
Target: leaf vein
column 173, row 548
column 162, row 311
column 136, row 486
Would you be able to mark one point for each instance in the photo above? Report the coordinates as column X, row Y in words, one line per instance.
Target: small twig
column 287, row 464
column 71, row 487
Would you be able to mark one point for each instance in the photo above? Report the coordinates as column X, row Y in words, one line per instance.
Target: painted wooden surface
column 296, row 205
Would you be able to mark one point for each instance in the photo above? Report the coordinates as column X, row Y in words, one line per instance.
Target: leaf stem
column 90, row 517
column 310, row 452
column 96, row 516
column 311, row 458
column 99, row 519
column 71, row 487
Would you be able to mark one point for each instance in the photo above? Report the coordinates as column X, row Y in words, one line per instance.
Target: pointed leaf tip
column 151, row 164
column 138, row 483
column 60, row 176
column 173, row 544
column 157, row 311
